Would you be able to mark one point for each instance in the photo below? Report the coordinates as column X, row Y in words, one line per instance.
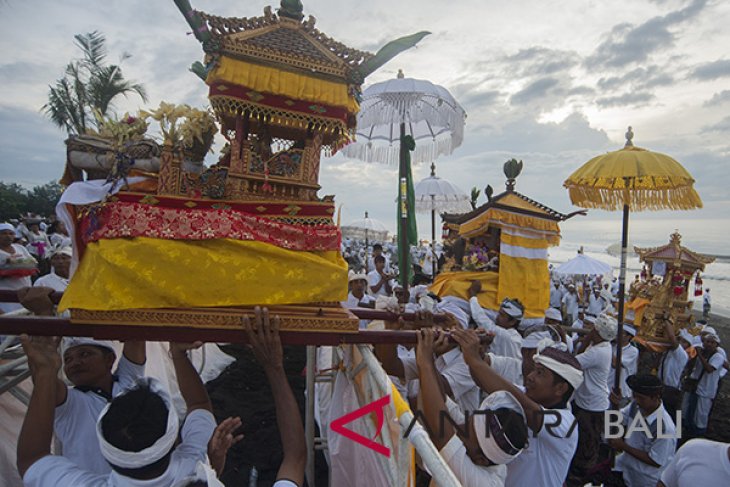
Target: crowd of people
column 527, row 398
column 519, row 370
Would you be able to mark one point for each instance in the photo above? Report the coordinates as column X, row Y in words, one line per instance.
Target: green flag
column 404, row 254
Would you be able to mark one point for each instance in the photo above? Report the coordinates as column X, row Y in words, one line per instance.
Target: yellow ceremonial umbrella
column 634, row 179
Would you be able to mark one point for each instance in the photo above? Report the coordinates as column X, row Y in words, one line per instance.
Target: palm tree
column 89, row 85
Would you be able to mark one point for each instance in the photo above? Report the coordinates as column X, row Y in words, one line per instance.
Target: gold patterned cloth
column 142, row 272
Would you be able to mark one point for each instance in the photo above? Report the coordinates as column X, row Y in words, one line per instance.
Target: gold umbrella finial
column 629, row 138
column 400, row 74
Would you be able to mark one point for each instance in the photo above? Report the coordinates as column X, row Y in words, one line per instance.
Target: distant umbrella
column 434, row 194
column 582, row 265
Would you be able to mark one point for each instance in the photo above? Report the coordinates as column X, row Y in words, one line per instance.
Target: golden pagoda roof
column 674, row 252
column 284, row 42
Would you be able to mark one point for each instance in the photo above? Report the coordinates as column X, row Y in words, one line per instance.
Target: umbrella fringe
column 390, row 154
column 678, row 198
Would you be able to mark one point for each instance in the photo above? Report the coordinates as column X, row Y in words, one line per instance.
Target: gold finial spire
column 629, row 138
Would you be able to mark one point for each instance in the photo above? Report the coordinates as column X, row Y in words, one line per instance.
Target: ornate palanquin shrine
column 202, row 247
column 504, row 245
column 665, row 290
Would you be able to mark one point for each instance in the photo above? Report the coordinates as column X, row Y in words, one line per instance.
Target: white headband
column 487, row 438
column 71, row 342
column 607, row 327
column 151, row 454
column 6, row 226
column 453, row 308
column 567, row 372
column 712, row 336
column 512, row 309
column 553, row 314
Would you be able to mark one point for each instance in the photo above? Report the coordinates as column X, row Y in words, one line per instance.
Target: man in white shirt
column 455, row 377
column 556, row 296
column 591, row 398
column 57, row 279
column 645, row 454
column 596, row 302
column 357, row 297
column 706, row 372
column 629, row 361
column 138, row 431
column 87, row 363
column 671, row 367
column 507, row 340
column 378, row 250
column 380, row 282
column 489, row 438
column 571, row 302
column 698, row 462
column 706, row 304
column 545, row 461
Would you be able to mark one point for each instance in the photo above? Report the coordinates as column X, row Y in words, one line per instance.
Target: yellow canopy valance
column 548, row 229
column 283, row 83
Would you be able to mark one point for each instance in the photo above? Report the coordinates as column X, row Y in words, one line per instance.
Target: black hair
column 135, row 421
column 513, row 425
column 557, row 379
column 379, row 258
column 377, row 247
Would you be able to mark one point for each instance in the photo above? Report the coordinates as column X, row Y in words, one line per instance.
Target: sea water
column 706, row 236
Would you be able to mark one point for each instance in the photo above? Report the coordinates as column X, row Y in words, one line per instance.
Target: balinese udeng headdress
column 562, row 363
column 151, row 454
column 513, row 308
column 455, row 310
column 606, row 326
column 6, row 226
column 494, row 443
column 71, row 342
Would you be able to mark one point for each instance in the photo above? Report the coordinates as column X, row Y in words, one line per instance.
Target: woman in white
column 12, row 258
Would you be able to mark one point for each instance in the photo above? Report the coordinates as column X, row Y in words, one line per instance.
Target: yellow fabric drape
column 283, row 83
column 526, row 279
column 457, row 284
column 524, row 274
column 477, row 225
column 142, row 272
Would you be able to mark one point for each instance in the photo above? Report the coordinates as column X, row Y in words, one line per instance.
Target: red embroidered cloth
column 125, row 219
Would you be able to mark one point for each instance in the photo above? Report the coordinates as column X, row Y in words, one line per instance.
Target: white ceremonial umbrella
column 431, row 116
column 583, row 265
column 435, row 194
column 391, row 114
column 366, row 228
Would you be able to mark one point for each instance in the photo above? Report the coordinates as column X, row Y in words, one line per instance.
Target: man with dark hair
column 380, row 282
column 88, row 365
column 544, row 399
column 645, row 453
column 378, row 251
column 137, row 431
column 489, row 439
column 507, row 339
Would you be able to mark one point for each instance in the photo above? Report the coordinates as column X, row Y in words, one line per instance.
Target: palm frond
column 93, row 47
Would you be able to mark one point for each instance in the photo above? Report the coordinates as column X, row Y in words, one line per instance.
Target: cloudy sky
column 552, row 83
